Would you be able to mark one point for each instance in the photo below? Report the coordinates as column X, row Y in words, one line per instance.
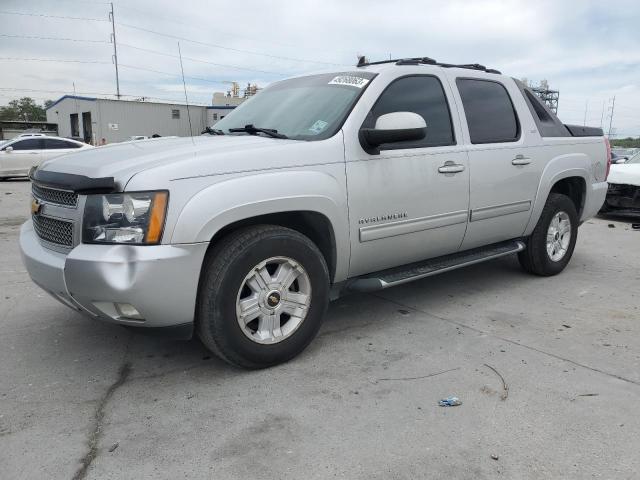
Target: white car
column 623, row 195
column 18, row 155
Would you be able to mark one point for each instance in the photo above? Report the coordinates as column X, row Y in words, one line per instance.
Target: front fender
column 244, row 197
column 563, row 166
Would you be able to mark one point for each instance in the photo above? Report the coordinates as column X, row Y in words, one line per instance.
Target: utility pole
column 602, row 115
column 115, row 49
column 586, row 107
column 611, row 117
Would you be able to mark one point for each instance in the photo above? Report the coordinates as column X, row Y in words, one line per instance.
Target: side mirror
column 9, row 149
column 620, row 160
column 391, row 128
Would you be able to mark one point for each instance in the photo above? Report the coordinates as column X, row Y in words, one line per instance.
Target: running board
column 415, row 271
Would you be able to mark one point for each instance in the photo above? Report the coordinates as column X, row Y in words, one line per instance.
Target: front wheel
column 263, row 295
column 550, row 246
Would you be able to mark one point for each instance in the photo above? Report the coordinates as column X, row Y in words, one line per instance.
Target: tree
column 628, row 142
column 24, row 109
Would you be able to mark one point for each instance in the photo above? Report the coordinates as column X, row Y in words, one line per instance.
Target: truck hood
column 625, row 174
column 123, row 160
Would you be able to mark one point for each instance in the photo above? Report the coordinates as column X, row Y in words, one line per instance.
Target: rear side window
column 490, row 114
column 54, row 143
column 28, row 144
column 418, row 94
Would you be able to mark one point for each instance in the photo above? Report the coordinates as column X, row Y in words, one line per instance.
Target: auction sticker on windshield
column 318, row 127
column 349, row 80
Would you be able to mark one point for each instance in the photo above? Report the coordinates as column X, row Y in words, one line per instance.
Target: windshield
column 634, row 159
column 304, row 108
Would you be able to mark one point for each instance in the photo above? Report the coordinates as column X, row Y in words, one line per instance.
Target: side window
column 490, row 114
column 72, row 144
column 54, row 143
column 28, row 144
column 421, row 94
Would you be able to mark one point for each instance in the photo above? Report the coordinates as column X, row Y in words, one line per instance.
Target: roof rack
column 362, row 62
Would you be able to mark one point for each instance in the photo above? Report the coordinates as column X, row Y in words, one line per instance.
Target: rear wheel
column 551, row 245
column 263, row 294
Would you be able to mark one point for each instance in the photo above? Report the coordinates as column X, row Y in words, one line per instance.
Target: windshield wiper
column 212, row 131
column 252, row 130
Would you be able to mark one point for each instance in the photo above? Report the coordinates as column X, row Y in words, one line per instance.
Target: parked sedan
column 623, row 195
column 17, row 156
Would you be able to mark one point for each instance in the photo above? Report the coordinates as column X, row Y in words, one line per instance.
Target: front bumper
column 160, row 281
column 623, row 199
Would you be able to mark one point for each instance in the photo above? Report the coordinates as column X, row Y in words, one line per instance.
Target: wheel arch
column 241, row 202
column 316, row 226
column 566, row 174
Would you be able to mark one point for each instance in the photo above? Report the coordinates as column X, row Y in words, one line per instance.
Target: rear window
column 489, row 111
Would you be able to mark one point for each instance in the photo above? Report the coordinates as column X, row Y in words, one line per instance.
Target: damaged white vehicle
column 623, row 194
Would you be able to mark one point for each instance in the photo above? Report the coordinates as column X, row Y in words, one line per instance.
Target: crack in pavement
column 98, row 419
column 508, row 340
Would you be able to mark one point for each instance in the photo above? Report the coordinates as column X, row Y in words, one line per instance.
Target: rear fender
column 563, row 166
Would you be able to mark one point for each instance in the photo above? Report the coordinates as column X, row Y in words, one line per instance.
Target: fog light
column 126, row 310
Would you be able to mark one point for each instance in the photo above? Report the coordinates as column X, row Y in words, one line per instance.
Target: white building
column 93, row 119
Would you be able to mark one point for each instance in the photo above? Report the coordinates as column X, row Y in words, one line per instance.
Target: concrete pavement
column 548, row 370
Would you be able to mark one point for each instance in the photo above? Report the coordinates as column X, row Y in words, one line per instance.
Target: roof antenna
column 362, row 61
column 186, row 98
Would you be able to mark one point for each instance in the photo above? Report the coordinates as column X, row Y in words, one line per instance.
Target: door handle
column 521, row 160
column 450, row 167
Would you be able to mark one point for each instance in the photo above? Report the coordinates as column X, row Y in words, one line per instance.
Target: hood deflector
column 75, row 183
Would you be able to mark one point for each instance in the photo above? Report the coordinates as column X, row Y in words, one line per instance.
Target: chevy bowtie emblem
column 36, row 206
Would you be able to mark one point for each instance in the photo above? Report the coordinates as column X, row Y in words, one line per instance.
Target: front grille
column 53, row 230
column 51, row 195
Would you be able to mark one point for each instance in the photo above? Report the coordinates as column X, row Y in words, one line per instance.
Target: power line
column 99, row 94
column 223, row 47
column 20, row 59
column 173, row 74
column 33, row 37
column 218, row 30
column 60, row 17
column 157, row 52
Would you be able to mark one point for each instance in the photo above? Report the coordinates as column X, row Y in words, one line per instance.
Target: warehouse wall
column 117, row 121
column 142, row 118
column 217, row 113
column 60, row 113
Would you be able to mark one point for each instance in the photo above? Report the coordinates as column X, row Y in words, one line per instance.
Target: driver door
column 403, row 205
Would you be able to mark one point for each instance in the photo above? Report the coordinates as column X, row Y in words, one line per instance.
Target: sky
column 588, row 50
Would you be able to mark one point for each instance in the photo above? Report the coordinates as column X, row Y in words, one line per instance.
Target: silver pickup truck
column 351, row 180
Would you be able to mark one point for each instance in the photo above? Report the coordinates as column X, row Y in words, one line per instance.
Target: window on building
column 215, row 116
column 421, row 94
column 490, row 114
column 175, row 113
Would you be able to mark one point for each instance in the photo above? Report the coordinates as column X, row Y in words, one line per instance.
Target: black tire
column 535, row 259
column 224, row 271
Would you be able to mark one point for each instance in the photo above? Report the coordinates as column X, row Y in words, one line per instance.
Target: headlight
column 136, row 217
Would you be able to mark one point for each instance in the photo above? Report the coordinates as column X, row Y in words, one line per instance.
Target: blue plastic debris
column 450, row 402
